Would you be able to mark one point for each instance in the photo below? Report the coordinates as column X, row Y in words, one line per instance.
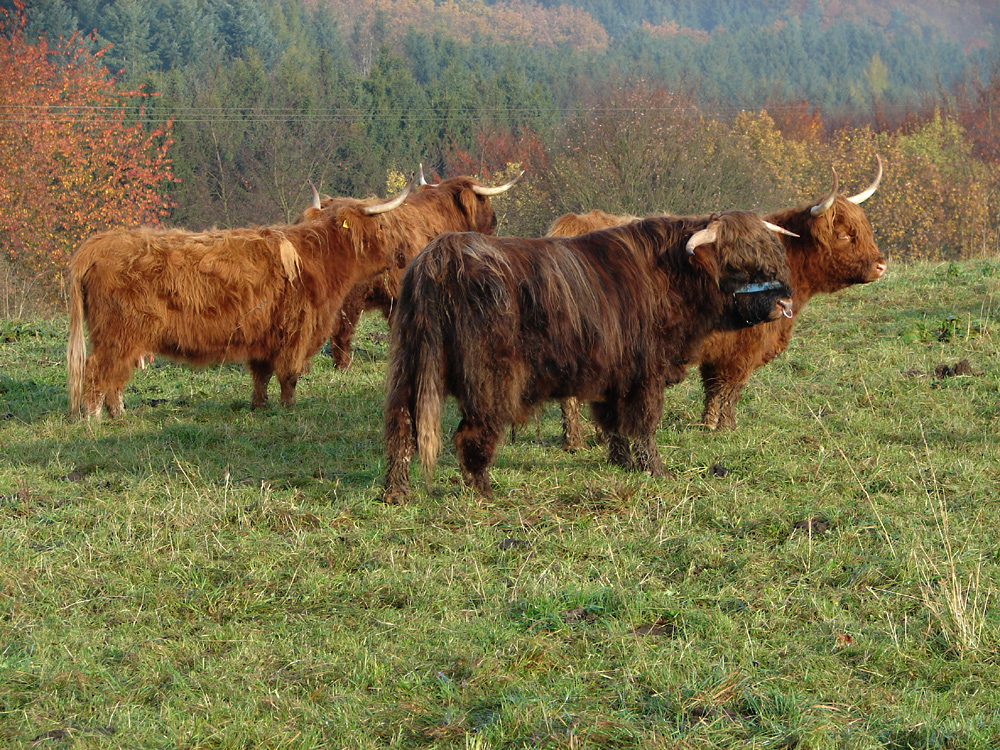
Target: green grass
column 197, row 575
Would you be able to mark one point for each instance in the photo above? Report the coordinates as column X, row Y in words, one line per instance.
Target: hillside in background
column 972, row 23
column 685, row 104
column 589, row 23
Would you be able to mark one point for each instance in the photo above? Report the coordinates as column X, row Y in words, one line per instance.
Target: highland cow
column 266, row 296
column 458, row 204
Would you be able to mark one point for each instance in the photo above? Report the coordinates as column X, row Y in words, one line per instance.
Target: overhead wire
column 194, row 115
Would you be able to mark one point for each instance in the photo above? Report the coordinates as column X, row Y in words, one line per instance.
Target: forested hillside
column 641, row 105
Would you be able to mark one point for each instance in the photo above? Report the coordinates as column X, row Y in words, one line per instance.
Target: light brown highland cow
column 458, row 204
column 266, row 296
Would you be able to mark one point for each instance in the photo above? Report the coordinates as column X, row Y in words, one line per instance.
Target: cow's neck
column 802, row 287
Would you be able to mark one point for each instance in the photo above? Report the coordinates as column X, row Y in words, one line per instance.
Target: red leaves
column 494, row 150
column 75, row 156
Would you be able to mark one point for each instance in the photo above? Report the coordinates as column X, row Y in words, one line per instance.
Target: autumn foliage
column 515, row 21
column 74, row 155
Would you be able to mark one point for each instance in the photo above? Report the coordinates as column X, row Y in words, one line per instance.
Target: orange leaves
column 75, row 157
column 494, row 149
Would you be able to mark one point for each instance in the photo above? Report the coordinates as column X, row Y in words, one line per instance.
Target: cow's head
column 363, row 225
column 469, row 197
column 747, row 261
column 365, row 206
column 836, row 241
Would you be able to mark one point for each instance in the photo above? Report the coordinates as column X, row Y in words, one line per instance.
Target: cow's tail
column 76, row 347
column 415, row 381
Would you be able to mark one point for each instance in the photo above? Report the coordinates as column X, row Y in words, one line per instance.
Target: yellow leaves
column 395, row 182
column 935, row 200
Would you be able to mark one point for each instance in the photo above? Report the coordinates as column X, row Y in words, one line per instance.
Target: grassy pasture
column 196, row 575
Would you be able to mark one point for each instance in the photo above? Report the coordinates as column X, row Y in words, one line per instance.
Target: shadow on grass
column 331, row 437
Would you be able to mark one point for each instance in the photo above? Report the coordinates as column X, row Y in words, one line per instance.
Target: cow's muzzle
column 783, row 306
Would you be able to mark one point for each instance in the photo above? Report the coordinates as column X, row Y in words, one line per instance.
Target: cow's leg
column 343, row 331
column 288, row 381
column 114, row 399
column 261, row 370
column 476, row 444
column 106, row 376
column 608, row 423
column 620, row 451
column 572, row 429
column 399, row 436
column 93, row 387
column 399, row 447
column 646, row 456
column 723, row 387
column 711, row 384
column 639, row 415
column 728, row 398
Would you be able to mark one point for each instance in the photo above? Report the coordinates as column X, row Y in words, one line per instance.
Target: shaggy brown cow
column 834, row 249
column 266, row 296
column 611, row 317
column 458, row 204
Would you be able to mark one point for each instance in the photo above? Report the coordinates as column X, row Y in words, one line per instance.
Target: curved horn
column 316, row 201
column 488, row 191
column 779, row 230
column 381, row 208
column 422, row 180
column 821, row 208
column 866, row 194
column 703, row 237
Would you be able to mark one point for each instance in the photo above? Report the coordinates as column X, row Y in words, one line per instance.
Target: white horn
column 821, row 208
column 779, row 230
column 488, row 191
column 422, row 180
column 316, row 201
column 866, row 194
column 703, row 237
column 381, row 208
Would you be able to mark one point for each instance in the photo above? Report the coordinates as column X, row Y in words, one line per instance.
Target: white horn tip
column 779, row 230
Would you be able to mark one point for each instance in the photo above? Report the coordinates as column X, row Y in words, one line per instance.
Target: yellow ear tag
column 345, row 223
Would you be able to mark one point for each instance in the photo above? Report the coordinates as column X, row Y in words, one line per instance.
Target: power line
column 28, row 114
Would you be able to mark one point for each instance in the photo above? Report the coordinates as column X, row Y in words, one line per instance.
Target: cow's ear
column 470, row 204
column 705, row 259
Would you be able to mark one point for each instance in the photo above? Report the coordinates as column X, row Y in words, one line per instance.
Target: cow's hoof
column 395, row 497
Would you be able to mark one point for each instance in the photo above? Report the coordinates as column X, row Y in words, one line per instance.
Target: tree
column 74, row 155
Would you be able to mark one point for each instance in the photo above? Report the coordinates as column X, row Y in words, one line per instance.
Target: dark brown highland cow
column 458, row 204
column 610, row 317
column 266, row 296
column 834, row 249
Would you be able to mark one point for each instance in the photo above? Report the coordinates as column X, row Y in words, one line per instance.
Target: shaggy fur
column 833, row 251
column 449, row 206
column 265, row 296
column 572, row 225
column 610, row 317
